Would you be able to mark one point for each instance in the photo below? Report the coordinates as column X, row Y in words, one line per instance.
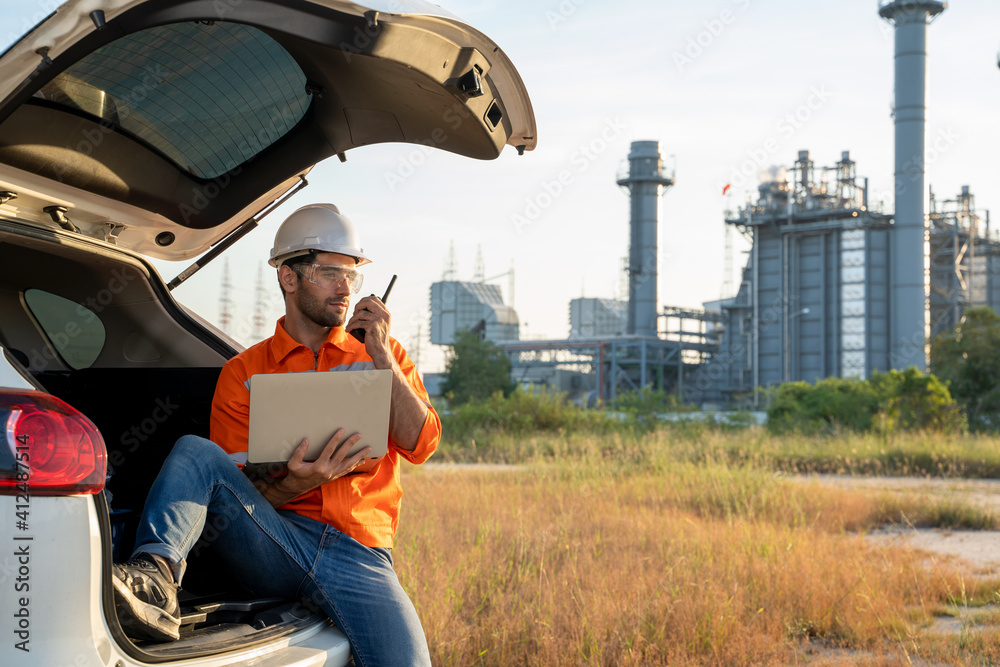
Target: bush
column 642, row 408
column 885, row 403
column 832, row 403
column 912, row 400
column 523, row 412
column 527, row 413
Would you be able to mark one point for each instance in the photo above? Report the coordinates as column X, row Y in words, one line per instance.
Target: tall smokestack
column 908, row 299
column 645, row 183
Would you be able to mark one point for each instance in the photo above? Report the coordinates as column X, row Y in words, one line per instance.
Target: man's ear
column 288, row 278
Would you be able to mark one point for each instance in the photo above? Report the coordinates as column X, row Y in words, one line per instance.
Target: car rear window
column 209, row 96
column 73, row 330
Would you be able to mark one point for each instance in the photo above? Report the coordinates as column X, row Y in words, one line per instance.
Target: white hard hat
column 320, row 227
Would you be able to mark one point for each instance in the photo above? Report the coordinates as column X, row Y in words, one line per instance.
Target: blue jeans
column 280, row 553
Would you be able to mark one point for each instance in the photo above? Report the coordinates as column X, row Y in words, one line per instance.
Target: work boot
column 146, row 599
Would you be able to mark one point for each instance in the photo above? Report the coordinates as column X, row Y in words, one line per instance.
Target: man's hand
column 305, row 475
column 372, row 315
column 407, row 412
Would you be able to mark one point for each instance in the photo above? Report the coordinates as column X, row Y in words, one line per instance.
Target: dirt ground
column 980, row 548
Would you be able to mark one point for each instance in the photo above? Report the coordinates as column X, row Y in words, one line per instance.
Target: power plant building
column 815, row 294
column 813, row 300
column 458, row 306
column 589, row 317
column 833, row 286
column 617, row 346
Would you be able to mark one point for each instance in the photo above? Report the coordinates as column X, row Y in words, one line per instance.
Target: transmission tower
column 479, row 270
column 510, row 282
column 260, row 307
column 225, row 300
column 449, row 265
column 415, row 352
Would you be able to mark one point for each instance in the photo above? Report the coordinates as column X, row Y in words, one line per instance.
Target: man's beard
column 314, row 308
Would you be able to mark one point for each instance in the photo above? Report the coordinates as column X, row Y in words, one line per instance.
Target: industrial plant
column 832, row 286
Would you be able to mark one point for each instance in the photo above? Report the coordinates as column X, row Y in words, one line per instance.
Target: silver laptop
column 287, row 407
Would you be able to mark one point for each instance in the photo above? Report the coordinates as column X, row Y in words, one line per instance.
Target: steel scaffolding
column 611, row 365
column 964, row 260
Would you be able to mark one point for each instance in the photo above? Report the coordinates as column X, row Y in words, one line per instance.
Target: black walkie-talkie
column 360, row 333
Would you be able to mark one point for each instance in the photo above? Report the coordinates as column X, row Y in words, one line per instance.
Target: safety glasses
column 331, row 277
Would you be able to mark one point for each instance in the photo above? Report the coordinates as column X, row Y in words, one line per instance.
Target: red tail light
column 47, row 448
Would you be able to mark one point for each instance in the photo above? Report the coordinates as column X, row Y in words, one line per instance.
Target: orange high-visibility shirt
column 364, row 506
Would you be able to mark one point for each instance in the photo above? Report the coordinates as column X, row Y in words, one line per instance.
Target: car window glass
column 74, row 331
column 208, row 96
column 9, row 376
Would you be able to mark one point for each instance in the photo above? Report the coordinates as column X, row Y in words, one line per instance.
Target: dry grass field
column 635, row 558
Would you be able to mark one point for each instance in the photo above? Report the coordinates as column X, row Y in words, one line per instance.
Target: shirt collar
column 283, row 344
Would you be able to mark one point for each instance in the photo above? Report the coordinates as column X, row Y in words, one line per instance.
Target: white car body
column 64, row 563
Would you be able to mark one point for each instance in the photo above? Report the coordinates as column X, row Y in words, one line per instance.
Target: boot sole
column 141, row 619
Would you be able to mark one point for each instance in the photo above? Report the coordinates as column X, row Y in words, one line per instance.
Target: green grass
column 904, row 454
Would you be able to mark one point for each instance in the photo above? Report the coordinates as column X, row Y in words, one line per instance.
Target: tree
column 967, row 359
column 475, row 370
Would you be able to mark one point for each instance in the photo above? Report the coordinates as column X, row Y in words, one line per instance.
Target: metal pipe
column 824, row 286
column 868, row 305
column 642, row 363
column 614, row 371
column 680, row 373
column 601, row 375
column 755, row 329
column 796, row 330
column 785, row 315
column 973, row 232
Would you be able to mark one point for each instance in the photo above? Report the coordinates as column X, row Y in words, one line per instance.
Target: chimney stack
column 645, row 182
column 908, row 296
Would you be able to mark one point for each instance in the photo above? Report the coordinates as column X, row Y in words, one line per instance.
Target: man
column 318, row 533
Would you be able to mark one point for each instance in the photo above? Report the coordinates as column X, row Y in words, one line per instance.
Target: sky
column 727, row 87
